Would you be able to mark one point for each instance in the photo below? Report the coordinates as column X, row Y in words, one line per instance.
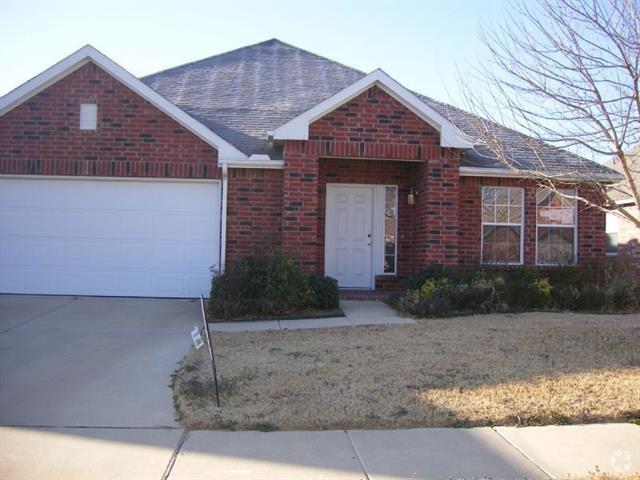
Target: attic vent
column 88, row 116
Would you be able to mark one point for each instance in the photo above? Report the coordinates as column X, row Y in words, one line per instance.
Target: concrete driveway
column 75, row 362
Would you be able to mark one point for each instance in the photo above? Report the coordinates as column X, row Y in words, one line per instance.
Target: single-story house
column 117, row 185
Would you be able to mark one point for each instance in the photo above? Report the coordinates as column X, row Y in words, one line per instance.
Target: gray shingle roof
column 525, row 153
column 244, row 93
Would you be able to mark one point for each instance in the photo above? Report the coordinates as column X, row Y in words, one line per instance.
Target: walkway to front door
column 349, row 235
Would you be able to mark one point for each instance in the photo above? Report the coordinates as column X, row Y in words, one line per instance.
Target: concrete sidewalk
column 356, row 312
column 435, row 453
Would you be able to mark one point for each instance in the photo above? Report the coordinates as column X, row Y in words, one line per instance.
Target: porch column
column 436, row 221
column 300, row 203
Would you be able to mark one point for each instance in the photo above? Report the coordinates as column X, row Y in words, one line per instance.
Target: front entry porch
column 365, row 225
column 371, row 139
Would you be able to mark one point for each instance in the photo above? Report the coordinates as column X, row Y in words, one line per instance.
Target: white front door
column 349, row 235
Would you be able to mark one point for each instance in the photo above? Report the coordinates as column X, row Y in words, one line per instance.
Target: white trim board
column 264, row 164
column 513, row 173
column 298, row 128
column 88, row 54
column 223, row 217
column 492, row 172
column 27, row 176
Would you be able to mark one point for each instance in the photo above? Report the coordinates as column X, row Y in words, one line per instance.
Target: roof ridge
column 233, row 50
column 321, row 56
column 271, row 40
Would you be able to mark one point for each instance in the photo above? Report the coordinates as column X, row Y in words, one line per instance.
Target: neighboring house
column 623, row 236
column 114, row 185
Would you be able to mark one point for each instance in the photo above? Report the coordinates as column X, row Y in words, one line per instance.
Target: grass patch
column 499, row 369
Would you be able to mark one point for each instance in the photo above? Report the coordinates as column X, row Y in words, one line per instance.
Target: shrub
column 621, row 286
column 481, row 293
column 269, row 285
column 596, row 287
column 526, row 289
column 565, row 296
column 608, row 286
column 432, row 299
column 434, row 271
column 591, row 298
column 324, row 291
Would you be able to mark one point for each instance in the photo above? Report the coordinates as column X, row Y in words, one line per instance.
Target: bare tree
column 565, row 73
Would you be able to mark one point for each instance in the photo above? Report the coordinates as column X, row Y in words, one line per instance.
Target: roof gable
column 88, row 54
column 298, row 127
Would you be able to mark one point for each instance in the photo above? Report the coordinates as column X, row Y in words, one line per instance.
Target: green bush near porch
column 438, row 292
column 270, row 285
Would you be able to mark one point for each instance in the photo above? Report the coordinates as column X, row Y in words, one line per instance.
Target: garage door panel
column 198, row 226
column 34, row 252
column 197, row 254
column 167, row 283
column 17, row 280
column 167, row 254
column 134, row 252
column 108, row 237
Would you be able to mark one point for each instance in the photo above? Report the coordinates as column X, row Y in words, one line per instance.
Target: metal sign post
column 214, row 372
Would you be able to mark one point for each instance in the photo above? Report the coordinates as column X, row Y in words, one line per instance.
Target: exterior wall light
column 411, row 197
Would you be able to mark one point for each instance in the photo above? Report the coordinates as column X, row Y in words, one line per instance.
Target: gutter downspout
column 223, row 217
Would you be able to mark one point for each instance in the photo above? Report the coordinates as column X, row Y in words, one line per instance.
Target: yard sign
column 205, row 327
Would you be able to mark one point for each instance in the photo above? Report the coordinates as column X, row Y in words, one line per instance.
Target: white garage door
column 120, row 238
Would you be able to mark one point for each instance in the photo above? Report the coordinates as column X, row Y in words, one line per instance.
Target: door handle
column 369, row 237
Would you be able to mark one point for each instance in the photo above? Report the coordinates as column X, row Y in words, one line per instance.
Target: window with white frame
column 88, row 116
column 390, row 228
column 502, row 224
column 555, row 227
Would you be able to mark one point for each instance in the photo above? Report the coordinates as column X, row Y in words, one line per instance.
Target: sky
column 425, row 45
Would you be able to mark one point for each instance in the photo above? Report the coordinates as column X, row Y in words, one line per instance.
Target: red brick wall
column 372, row 125
column 373, row 172
column 591, row 233
column 254, row 211
column 133, row 138
column 300, row 203
column 592, row 236
column 436, row 217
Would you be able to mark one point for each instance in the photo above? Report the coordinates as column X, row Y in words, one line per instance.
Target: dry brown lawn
column 524, row 369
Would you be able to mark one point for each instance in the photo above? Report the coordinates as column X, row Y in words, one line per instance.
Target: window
column 502, row 218
column 390, row 228
column 556, row 227
column 88, row 116
column 612, row 234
